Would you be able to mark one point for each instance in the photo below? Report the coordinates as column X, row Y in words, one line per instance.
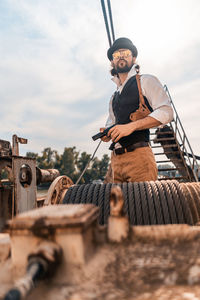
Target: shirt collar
column 131, row 73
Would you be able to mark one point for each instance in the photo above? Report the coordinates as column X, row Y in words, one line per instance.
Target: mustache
column 121, row 60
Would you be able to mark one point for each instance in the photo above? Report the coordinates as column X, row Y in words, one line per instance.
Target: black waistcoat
column 123, row 105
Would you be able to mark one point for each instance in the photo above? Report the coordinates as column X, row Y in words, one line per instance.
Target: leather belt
column 130, row 148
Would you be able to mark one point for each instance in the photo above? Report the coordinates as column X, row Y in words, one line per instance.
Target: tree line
column 71, row 163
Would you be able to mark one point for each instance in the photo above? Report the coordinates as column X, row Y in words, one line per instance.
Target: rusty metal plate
column 56, row 216
column 25, row 192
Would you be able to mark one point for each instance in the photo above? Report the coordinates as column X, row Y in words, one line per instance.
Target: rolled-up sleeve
column 158, row 99
column 111, row 118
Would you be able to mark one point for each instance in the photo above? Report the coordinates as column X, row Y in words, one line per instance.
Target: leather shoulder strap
column 140, row 90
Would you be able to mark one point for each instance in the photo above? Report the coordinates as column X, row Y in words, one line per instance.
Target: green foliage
column 32, row 154
column 47, row 160
column 68, row 163
column 100, row 167
column 72, row 163
column 4, row 174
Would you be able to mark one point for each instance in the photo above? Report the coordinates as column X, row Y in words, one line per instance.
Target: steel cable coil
column 191, row 202
column 89, row 196
column 107, row 202
column 96, row 194
column 101, row 203
column 145, row 203
column 197, row 186
column 194, row 196
column 176, row 201
column 138, row 206
column 131, row 203
column 73, row 194
column 79, row 194
column 84, row 193
column 163, row 203
column 67, row 196
column 124, row 188
column 184, row 204
column 171, row 204
column 151, row 203
column 158, row 207
column 195, row 190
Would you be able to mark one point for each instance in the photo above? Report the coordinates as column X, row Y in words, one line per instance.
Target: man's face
column 123, row 60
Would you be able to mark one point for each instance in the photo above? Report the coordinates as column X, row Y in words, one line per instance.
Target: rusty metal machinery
column 57, row 190
column 42, row 263
column 116, row 261
column 18, row 190
column 47, row 175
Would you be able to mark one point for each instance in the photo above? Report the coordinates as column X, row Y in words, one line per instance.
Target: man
column 138, row 104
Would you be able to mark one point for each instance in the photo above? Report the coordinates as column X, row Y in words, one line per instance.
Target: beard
column 123, row 67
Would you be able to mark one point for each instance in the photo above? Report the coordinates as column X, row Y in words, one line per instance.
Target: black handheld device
column 101, row 134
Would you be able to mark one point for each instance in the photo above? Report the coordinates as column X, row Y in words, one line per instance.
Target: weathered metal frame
column 25, row 197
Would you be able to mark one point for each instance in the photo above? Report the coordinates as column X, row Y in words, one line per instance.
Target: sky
column 55, row 84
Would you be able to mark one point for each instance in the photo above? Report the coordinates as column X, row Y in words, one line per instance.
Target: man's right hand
column 105, row 138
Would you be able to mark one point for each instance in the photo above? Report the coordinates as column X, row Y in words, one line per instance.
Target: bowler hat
column 122, row 43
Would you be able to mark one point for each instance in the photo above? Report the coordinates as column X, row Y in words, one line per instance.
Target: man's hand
column 118, row 131
column 105, row 138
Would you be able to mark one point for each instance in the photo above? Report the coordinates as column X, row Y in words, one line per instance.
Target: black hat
column 122, row 43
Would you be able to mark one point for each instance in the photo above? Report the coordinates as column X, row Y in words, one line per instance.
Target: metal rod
column 88, row 163
column 111, row 20
column 106, row 22
column 190, row 155
column 25, row 284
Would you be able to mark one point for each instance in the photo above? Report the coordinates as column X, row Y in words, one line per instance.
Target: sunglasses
column 124, row 53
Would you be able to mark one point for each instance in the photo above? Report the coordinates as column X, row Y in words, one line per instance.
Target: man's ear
column 112, row 63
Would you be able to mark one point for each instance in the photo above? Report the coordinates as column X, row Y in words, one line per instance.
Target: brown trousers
column 135, row 166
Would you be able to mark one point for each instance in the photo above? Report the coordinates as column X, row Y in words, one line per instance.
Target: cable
column 106, row 22
column 88, row 163
column 111, row 21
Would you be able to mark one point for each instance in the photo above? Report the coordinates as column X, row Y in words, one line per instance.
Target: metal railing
column 183, row 144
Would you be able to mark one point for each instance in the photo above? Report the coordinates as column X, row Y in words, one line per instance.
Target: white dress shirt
column 153, row 90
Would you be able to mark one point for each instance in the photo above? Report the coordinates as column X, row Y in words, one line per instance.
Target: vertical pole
column 111, row 20
column 106, row 21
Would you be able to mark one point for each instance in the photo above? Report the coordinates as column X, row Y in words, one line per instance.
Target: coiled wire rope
column 145, row 203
